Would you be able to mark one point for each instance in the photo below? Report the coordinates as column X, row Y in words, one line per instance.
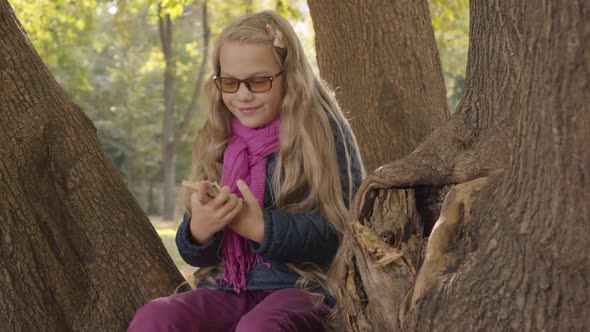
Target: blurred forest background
column 119, row 59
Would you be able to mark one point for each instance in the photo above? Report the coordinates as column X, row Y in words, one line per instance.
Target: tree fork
column 472, row 144
column 529, row 268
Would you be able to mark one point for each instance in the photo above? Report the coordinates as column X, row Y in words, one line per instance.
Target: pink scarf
column 245, row 158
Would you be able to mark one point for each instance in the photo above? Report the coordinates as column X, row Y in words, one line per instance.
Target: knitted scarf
column 245, row 158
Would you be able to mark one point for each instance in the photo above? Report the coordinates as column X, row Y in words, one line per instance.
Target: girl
column 288, row 164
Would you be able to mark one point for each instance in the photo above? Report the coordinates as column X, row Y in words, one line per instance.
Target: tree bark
column 77, row 253
column 509, row 251
column 392, row 86
column 394, row 91
column 527, row 266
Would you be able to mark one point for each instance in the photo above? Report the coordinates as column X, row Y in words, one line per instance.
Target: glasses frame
column 245, row 81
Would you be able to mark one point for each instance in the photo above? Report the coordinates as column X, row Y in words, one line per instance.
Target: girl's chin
column 254, row 123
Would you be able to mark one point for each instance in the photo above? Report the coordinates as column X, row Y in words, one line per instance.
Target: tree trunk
column 77, row 253
column 393, row 86
column 526, row 266
column 394, row 91
column 509, row 251
column 168, row 148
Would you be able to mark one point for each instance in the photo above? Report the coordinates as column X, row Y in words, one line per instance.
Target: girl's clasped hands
column 211, row 215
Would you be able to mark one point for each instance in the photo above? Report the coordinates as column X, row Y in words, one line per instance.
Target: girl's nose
column 243, row 93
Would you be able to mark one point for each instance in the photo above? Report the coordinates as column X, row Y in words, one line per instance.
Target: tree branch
column 466, row 157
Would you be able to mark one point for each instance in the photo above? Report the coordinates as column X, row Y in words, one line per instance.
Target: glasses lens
column 259, row 84
column 231, row 85
column 227, row 84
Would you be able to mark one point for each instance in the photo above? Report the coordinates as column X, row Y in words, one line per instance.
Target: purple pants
column 290, row 309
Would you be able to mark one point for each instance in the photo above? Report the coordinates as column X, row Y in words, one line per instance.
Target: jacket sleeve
column 193, row 253
column 298, row 238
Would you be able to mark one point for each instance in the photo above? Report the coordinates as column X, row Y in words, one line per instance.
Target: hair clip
column 276, row 35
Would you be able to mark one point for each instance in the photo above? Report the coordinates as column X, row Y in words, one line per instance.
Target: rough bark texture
column 77, row 253
column 527, row 267
column 381, row 58
column 472, row 144
column 510, row 249
column 394, row 92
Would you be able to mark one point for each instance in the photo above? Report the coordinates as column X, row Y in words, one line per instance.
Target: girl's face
column 245, row 61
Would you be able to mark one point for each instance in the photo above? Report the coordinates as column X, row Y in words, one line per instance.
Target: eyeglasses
column 254, row 84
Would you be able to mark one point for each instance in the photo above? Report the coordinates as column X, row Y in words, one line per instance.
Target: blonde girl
column 288, row 163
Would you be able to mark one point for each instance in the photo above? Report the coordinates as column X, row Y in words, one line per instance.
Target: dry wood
column 212, row 187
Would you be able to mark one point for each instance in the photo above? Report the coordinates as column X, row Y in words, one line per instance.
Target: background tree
column 503, row 255
column 393, row 87
column 394, row 92
column 171, row 136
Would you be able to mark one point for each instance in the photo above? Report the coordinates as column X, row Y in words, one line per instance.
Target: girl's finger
column 229, row 204
column 222, row 196
column 201, row 194
column 234, row 212
column 246, row 192
column 194, row 199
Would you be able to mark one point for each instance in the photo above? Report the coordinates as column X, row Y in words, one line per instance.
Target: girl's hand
column 210, row 215
column 249, row 223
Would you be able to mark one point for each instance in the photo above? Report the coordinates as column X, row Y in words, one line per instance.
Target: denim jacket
column 288, row 238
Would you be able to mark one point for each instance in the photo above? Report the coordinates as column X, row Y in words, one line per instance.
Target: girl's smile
column 248, row 110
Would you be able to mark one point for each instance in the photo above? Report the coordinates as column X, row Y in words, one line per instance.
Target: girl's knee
column 254, row 324
column 156, row 315
column 248, row 324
